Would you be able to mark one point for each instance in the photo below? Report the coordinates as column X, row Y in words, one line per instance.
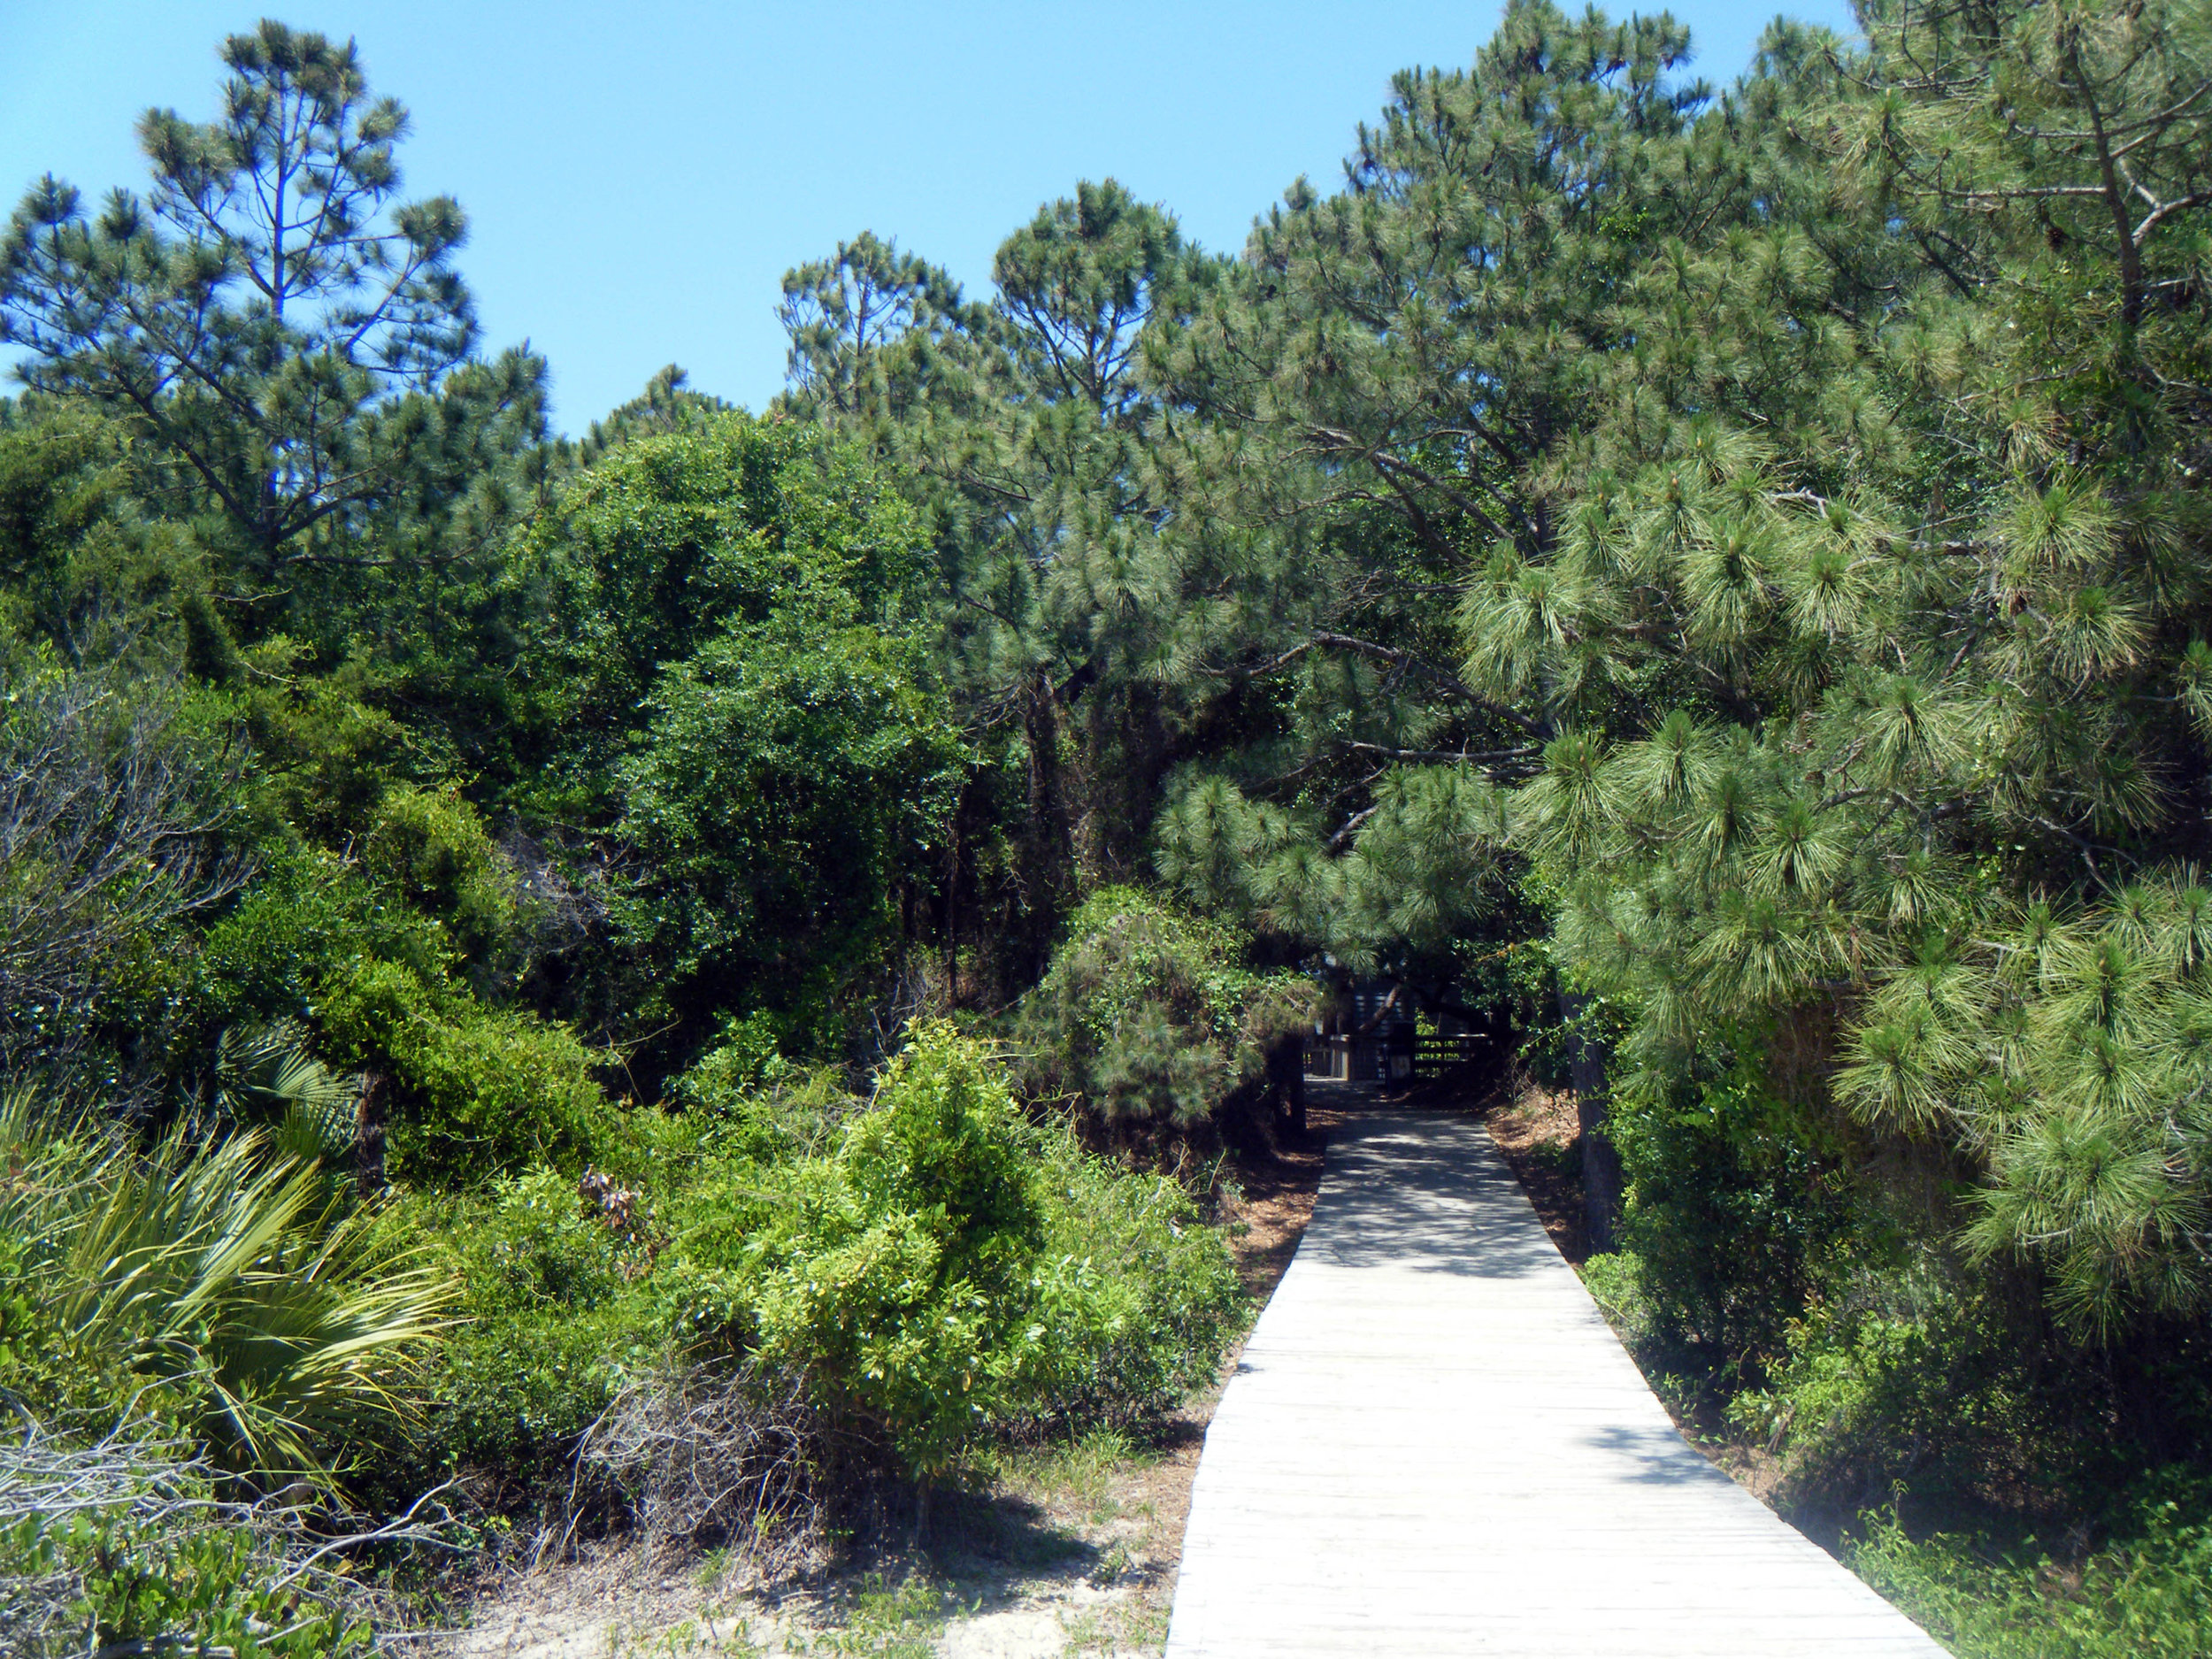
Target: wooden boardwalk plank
column 1434, row 1444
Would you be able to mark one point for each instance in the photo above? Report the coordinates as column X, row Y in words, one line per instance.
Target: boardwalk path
column 1434, row 1445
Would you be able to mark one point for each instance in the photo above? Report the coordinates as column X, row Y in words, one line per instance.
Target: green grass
column 1076, row 1473
column 883, row 1618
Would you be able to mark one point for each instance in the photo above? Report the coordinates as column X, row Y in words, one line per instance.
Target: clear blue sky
column 640, row 175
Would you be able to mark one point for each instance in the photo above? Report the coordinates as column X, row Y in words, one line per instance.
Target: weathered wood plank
column 1434, row 1445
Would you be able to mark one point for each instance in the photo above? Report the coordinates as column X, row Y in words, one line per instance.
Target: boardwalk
column 1434, row 1445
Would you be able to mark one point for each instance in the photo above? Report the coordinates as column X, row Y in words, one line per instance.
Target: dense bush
column 953, row 1271
column 1135, row 1295
column 474, row 1091
column 896, row 1272
column 555, row 1322
column 1909, row 1371
column 308, row 919
column 226, row 1288
column 2147, row 1594
column 432, row 846
column 1148, row 1015
column 936, row 1268
column 1733, row 1215
column 325, row 752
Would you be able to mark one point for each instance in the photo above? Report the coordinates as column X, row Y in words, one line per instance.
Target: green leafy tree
column 785, row 798
column 1150, row 1019
column 735, row 690
column 1080, row 598
column 1403, row 391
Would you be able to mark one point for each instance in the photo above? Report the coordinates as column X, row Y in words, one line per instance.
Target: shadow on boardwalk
column 1435, row 1444
column 1409, row 1199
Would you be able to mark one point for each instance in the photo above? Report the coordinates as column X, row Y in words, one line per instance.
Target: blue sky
column 639, row 175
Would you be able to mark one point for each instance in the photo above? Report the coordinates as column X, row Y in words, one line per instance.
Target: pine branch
column 1450, row 683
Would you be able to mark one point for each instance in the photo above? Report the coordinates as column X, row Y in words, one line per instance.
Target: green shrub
column 1615, row 1280
column 746, row 1058
column 556, row 1319
column 1148, row 1014
column 1137, row 1298
column 474, row 1092
column 306, row 920
column 2146, row 1596
column 1903, row 1371
column 936, row 1268
column 897, row 1273
column 432, row 846
column 953, row 1271
column 1730, row 1215
column 174, row 1576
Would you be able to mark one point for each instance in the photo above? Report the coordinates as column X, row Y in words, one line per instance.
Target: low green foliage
column 897, row 1273
column 1136, row 1297
column 2146, row 1596
column 1908, row 1372
column 746, row 1060
column 888, row 1618
column 1732, row 1213
column 1077, row 1468
column 326, row 751
column 474, row 1091
column 176, row 1580
column 939, row 1270
column 950, row 1270
column 554, row 1323
column 432, row 846
column 225, row 1288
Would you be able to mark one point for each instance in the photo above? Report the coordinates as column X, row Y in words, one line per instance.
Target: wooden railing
column 1433, row 1056
column 1379, row 1058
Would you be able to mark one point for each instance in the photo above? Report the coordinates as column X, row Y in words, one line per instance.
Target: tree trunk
column 368, row 1137
column 1047, row 850
column 1287, row 1077
column 950, row 945
column 1600, row 1163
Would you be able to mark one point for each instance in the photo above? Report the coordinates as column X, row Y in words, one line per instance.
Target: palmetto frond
column 224, row 1272
column 270, row 1066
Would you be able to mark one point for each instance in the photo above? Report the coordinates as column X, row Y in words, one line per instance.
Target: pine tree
column 265, row 311
column 877, row 335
